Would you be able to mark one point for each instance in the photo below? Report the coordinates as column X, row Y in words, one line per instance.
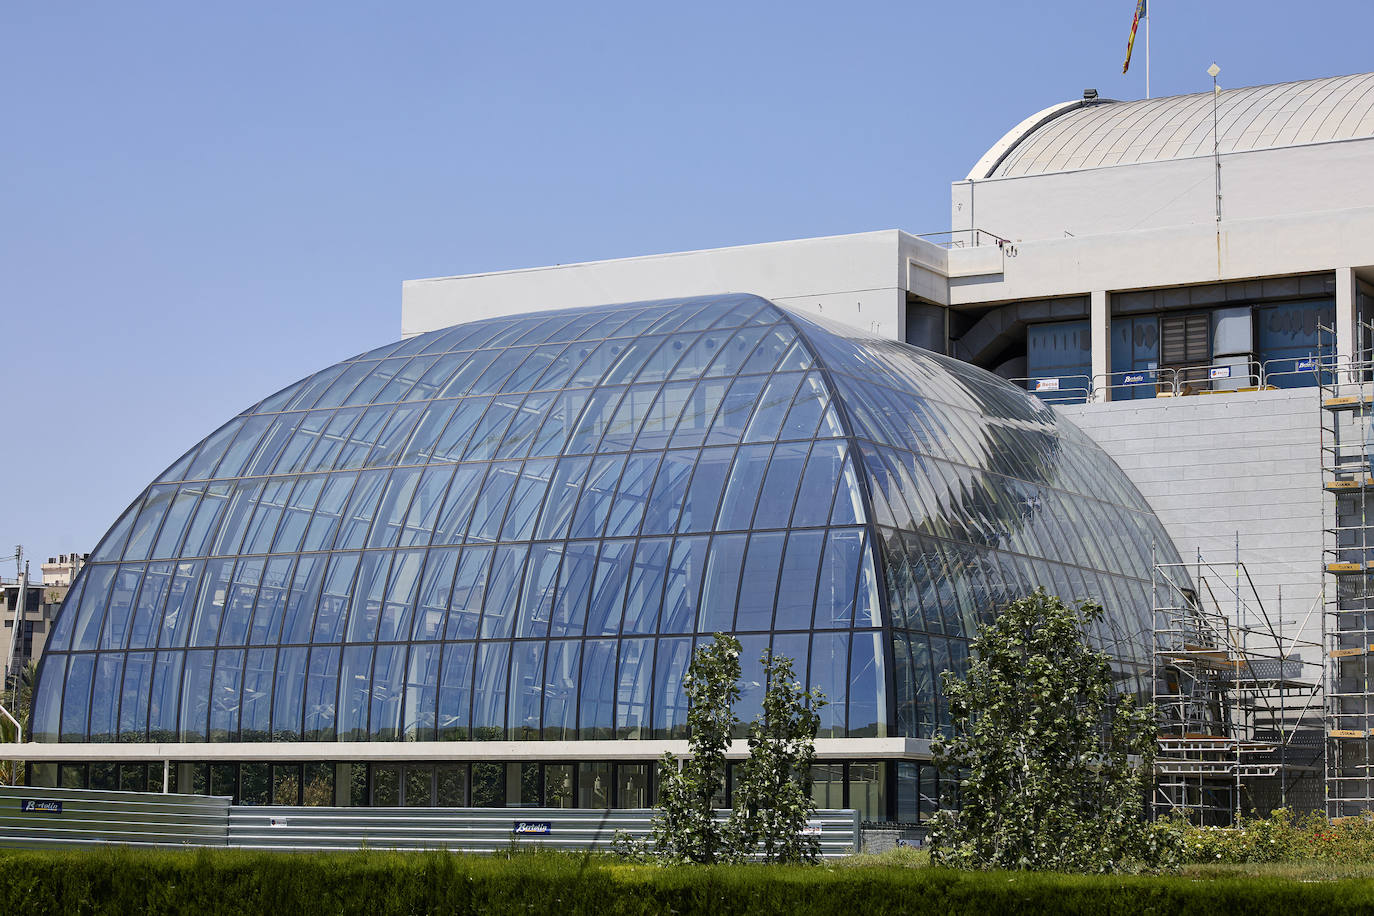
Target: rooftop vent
column 1090, row 95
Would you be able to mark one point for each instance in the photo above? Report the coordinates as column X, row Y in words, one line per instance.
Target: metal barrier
column 1223, row 378
column 476, row 829
column 1061, row 389
column 32, row 817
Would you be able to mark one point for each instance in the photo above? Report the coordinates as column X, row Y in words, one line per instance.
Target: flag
column 1140, row 13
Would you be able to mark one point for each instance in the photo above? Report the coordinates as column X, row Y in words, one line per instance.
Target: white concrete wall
column 1255, row 184
column 1215, row 465
column 1145, row 259
column 861, row 280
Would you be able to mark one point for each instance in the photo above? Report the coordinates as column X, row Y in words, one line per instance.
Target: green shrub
column 231, row 882
column 1280, row 837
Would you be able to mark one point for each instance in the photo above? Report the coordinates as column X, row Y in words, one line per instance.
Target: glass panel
column 867, row 692
column 703, row 495
column 120, row 606
column 451, row 784
column 419, row 785
column 299, row 615
column 422, row 680
column 256, row 722
column 489, row 694
column 721, row 584
column 137, row 689
column 645, row 593
column 321, row 693
column 502, row 597
column 354, row 678
column 758, row 585
column 596, row 709
column 568, row 615
column 670, row 703
column 632, row 692
column 397, row 607
column 488, row 785
column 829, row 670
column 455, row 692
column 164, row 698
column 560, row 689
column 226, row 696
column 526, row 681
column 195, row 695
column 742, row 489
column 91, row 612
column 105, row 692
column 388, row 689
column 594, row 785
column 338, row 587
column 835, row 597
column 469, row 592
column 608, row 593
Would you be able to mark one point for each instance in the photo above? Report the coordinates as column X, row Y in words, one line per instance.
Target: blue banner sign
column 1307, row 365
column 40, row 806
column 537, row 828
column 1133, row 378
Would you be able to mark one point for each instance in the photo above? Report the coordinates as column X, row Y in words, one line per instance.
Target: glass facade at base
column 519, row 528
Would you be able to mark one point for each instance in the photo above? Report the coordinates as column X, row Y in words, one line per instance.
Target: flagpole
column 1147, row 51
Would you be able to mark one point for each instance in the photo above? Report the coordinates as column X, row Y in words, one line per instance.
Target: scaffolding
column 1238, row 706
column 1347, row 442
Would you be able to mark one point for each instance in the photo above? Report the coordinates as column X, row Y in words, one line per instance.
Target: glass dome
column 518, row 528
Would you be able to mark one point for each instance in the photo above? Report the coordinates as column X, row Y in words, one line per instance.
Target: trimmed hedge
column 286, row 884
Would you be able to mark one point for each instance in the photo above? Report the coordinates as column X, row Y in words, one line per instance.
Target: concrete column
column 1102, row 345
column 1347, row 331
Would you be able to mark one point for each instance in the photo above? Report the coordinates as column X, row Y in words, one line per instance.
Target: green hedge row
column 374, row 883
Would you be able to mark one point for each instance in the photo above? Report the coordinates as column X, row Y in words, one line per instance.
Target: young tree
column 773, row 796
column 1053, row 765
column 686, row 828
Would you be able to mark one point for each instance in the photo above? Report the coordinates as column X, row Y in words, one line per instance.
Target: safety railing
column 1217, row 378
column 1061, row 389
column 965, row 238
column 32, row 817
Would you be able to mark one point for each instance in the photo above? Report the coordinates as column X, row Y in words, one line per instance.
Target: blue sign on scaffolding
column 1133, row 378
column 1307, row 365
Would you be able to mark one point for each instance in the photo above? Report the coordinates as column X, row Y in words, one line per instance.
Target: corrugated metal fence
column 31, row 818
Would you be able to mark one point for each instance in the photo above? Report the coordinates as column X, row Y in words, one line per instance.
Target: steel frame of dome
column 499, row 541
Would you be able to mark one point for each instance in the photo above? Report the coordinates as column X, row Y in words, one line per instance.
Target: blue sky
column 201, row 203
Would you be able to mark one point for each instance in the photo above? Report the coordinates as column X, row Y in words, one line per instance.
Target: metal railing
column 1249, row 375
column 966, row 238
column 32, row 817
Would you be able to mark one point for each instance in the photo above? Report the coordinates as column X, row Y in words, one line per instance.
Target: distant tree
column 773, row 799
column 17, row 698
column 1053, row 766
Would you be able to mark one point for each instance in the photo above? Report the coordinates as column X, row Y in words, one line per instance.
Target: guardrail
column 1283, row 372
column 966, row 238
column 32, row 818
